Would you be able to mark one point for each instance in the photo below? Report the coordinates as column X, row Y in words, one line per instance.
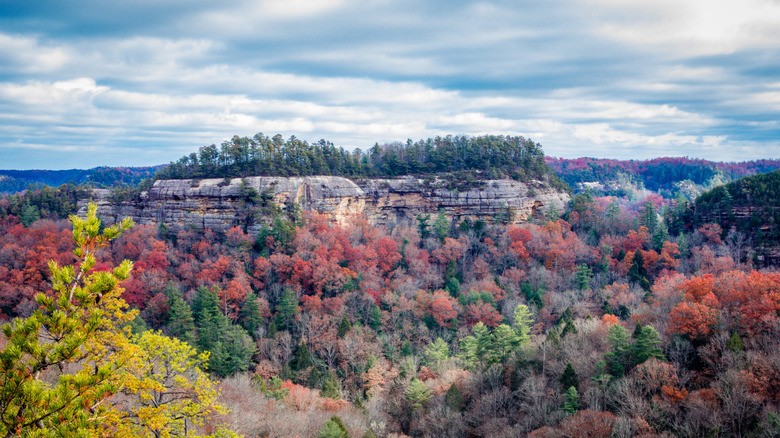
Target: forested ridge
column 488, row 156
column 668, row 176
column 612, row 320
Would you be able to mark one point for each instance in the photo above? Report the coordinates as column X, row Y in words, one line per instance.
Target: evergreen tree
column 453, row 399
column 572, row 403
column 646, row 345
column 180, row 320
column 333, row 428
column 637, row 272
column 375, row 319
column 417, row 393
column 423, row 228
column 331, row 386
column 617, row 358
column 250, row 318
column 441, row 226
column 438, row 351
column 735, row 343
column 582, row 277
column 344, row 327
column 301, row 357
column 569, row 378
column 287, row 309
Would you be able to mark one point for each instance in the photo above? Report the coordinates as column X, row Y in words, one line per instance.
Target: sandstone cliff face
column 219, row 204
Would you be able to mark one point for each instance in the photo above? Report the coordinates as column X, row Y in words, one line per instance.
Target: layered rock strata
column 220, row 204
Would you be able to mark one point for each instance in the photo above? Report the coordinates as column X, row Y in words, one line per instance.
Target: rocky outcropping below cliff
column 220, row 204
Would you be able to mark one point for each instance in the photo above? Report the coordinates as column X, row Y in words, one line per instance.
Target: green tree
column 331, row 386
column 62, row 369
column 423, row 228
column 453, row 399
column 569, row 377
column 735, row 343
column 646, row 345
column 250, row 318
column 441, row 226
column 287, row 309
column 582, row 277
column 417, row 393
column 572, row 403
column 437, row 352
column 333, row 428
column 618, row 356
column 301, row 357
column 637, row 272
column 29, row 214
column 344, row 327
column 375, row 318
column 181, row 323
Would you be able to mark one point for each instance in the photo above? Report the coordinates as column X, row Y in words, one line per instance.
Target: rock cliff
column 219, row 204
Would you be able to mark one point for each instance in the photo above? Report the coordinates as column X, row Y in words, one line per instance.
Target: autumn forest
column 648, row 307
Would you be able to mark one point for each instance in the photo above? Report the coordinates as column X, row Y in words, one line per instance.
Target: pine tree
column 181, row 323
column 572, row 403
column 344, row 327
column 301, row 357
column 375, row 319
column 437, row 351
column 569, row 378
column 453, row 399
column 333, row 428
column 250, row 318
column 287, row 309
column 331, row 386
column 646, row 345
column 735, row 343
column 417, row 393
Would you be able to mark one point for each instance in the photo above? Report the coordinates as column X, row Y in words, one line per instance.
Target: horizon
column 89, row 84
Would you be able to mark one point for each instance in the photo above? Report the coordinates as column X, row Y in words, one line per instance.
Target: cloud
column 146, row 82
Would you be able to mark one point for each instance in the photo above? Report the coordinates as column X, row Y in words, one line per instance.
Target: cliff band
column 220, row 204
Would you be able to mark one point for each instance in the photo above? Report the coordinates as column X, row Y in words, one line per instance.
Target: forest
column 668, row 176
column 618, row 317
column 489, row 156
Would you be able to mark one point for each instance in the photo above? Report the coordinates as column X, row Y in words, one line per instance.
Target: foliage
column 492, row 156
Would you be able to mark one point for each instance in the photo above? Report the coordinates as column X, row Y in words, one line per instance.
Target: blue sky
column 92, row 82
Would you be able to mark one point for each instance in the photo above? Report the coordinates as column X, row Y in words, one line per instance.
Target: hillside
column 751, row 206
column 668, row 176
column 12, row 181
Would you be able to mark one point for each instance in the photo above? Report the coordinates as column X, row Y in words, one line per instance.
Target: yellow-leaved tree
column 72, row 369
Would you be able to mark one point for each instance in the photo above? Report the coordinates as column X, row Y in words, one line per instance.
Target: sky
column 85, row 83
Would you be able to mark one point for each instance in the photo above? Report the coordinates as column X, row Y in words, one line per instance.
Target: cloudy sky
column 93, row 82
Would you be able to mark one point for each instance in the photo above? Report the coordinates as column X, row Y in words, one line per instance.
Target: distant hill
column 667, row 176
column 12, row 181
column 751, row 206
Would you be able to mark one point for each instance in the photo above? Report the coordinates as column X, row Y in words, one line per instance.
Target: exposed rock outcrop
column 219, row 204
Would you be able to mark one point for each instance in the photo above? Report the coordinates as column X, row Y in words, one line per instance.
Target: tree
column 181, row 322
column 417, row 393
column 62, row 367
column 569, row 378
column 344, row 327
column 250, row 317
column 453, row 399
column 72, row 327
column 572, row 403
column 333, row 428
column 646, row 345
column 437, row 351
column 287, row 308
column 170, row 391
